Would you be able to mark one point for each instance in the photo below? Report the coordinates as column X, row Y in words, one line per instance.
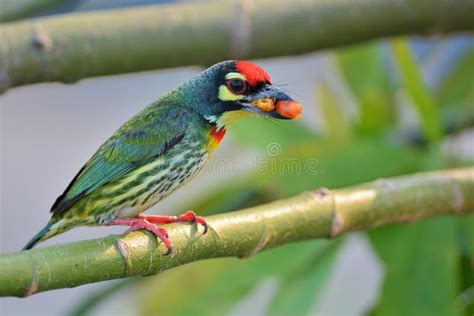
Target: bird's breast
column 161, row 177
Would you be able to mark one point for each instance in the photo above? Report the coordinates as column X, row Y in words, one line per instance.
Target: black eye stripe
column 236, row 86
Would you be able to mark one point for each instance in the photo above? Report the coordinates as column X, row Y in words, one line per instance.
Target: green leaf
column 421, row 268
column 422, row 98
column 301, row 288
column 233, row 196
column 457, row 88
column 336, row 125
column 213, row 287
column 309, row 165
column 259, row 133
column 456, row 95
column 466, row 245
column 94, row 299
column 364, row 72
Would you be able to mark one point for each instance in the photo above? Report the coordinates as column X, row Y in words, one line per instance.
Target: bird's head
column 230, row 90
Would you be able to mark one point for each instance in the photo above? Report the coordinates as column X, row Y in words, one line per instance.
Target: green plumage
column 155, row 152
column 145, row 160
column 138, row 142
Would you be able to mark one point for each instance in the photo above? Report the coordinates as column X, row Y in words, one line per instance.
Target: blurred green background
column 381, row 109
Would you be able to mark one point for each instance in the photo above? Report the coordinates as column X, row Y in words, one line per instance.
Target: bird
column 163, row 147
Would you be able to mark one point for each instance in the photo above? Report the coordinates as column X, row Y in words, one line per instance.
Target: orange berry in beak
column 289, row 109
column 265, row 104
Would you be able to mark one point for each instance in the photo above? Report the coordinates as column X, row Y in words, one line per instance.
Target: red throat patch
column 253, row 73
column 217, row 134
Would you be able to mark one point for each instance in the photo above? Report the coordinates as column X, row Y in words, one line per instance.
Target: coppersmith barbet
column 162, row 147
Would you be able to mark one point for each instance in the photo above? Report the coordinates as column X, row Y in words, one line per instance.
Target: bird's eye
column 236, row 86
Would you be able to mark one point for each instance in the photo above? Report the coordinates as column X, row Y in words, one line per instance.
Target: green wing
column 148, row 135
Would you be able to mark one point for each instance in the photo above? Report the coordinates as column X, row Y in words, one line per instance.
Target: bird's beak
column 272, row 101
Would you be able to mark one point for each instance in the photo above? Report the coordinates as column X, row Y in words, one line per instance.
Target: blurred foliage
column 364, row 69
column 422, row 268
column 429, row 266
column 465, row 300
column 212, row 287
column 456, row 95
column 421, row 97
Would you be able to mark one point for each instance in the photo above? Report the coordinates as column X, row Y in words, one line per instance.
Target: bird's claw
column 147, row 222
column 143, row 224
column 202, row 221
column 191, row 217
column 167, row 253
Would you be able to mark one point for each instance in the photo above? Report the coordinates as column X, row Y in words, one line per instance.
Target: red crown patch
column 254, row 74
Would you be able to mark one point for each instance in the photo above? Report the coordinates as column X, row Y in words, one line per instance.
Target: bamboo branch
column 11, row 10
column 320, row 214
column 70, row 47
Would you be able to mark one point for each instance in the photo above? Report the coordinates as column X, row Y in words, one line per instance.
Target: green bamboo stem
column 11, row 10
column 320, row 214
column 71, row 47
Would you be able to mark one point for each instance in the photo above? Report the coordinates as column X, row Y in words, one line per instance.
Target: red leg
column 143, row 224
column 189, row 217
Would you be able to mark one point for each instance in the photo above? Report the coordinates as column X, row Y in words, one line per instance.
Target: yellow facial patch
column 224, row 93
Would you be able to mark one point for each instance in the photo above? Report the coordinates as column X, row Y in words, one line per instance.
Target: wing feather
column 148, row 135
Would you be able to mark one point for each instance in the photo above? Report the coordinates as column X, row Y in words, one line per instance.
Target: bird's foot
column 143, row 224
column 189, row 217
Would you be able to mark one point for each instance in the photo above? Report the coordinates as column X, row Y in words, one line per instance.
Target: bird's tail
column 43, row 234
